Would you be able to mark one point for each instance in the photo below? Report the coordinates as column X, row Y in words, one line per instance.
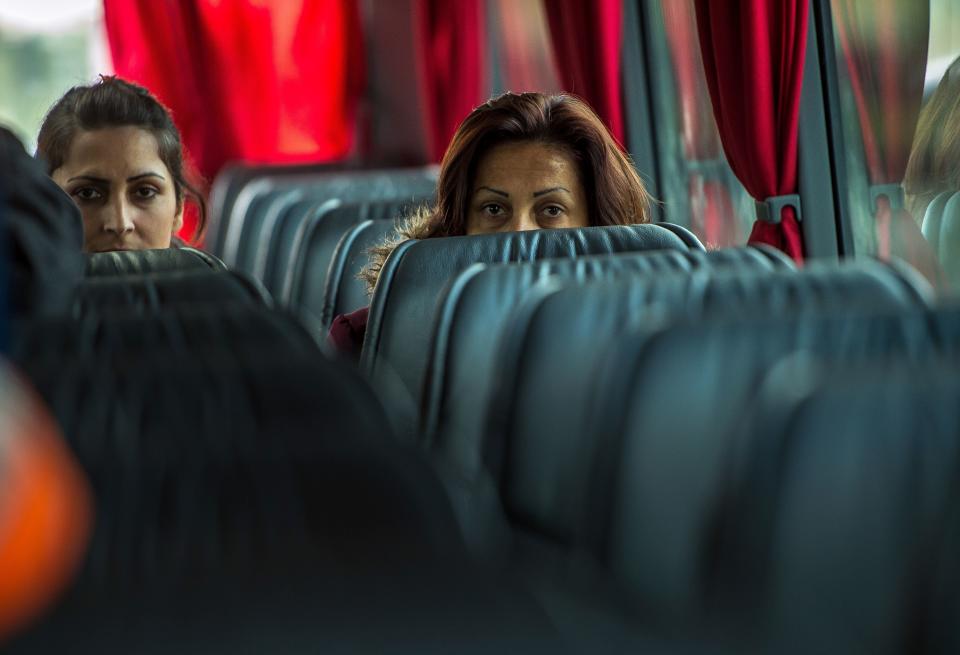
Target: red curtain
column 270, row 81
column 884, row 45
column 710, row 203
column 587, row 41
column 452, row 59
column 753, row 54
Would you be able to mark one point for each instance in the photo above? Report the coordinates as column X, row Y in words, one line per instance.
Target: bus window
column 891, row 57
column 698, row 188
column 45, row 48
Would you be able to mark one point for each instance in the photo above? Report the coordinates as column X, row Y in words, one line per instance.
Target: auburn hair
column 934, row 164
column 615, row 193
column 114, row 102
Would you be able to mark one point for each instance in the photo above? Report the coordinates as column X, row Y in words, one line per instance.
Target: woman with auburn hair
column 518, row 162
column 934, row 165
column 115, row 150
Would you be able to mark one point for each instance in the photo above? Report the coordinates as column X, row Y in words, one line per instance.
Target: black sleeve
column 44, row 234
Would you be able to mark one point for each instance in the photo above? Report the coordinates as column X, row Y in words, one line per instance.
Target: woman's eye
column 553, row 211
column 492, row 209
column 146, row 192
column 87, row 193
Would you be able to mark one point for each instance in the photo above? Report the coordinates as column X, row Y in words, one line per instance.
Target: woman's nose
column 119, row 218
column 524, row 221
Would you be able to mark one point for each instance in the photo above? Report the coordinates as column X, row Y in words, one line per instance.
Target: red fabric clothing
column 753, row 55
column 346, row 333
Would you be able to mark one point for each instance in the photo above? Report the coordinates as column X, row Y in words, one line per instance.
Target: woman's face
column 526, row 186
column 124, row 191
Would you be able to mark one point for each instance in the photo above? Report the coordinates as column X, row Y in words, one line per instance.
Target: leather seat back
column 314, row 254
column 138, row 262
column 404, row 304
column 941, row 228
column 343, row 291
column 478, row 304
column 842, row 519
column 151, row 293
column 354, row 186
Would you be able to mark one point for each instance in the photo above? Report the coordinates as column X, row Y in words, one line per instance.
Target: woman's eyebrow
column 93, row 178
column 537, row 194
column 89, row 178
column 143, row 175
column 496, row 191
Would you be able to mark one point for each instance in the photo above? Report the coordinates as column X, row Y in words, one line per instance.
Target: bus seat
column 630, row 495
column 312, row 259
column 238, row 473
column 477, row 305
column 264, row 213
column 355, row 186
column 941, row 227
column 42, row 232
column 137, row 262
column 342, row 291
column 284, row 239
column 844, row 512
column 151, row 292
column 397, row 342
column 673, row 431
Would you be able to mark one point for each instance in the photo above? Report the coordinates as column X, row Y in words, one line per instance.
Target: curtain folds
column 587, row 41
column 753, row 54
column 452, row 59
column 884, row 45
column 267, row 81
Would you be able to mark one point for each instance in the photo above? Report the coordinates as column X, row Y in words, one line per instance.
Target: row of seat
column 664, row 448
column 589, row 418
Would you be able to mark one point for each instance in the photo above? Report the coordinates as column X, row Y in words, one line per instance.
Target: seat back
column 151, row 292
column 283, row 240
column 555, row 340
column 404, row 305
column 477, row 305
column 941, row 228
column 354, row 186
column 313, row 256
column 675, row 436
column 343, row 291
column 138, row 262
column 242, row 478
column 42, row 232
column 842, row 519
column 260, row 221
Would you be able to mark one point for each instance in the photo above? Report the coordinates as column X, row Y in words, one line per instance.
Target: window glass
column 46, row 46
column 698, row 188
column 901, row 138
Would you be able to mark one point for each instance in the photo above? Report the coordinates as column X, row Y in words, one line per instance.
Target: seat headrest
column 402, row 311
column 152, row 292
column 132, row 262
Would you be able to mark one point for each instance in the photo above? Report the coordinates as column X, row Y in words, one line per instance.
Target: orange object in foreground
column 45, row 507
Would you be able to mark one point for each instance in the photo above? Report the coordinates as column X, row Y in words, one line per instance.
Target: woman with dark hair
column 518, row 162
column 117, row 153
